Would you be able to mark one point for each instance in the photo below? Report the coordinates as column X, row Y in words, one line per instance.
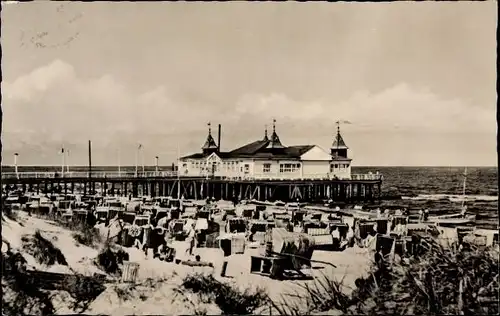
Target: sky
column 417, row 81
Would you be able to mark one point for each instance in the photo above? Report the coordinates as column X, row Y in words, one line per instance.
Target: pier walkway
column 359, row 187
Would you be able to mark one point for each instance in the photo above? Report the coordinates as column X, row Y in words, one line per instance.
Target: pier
column 359, row 188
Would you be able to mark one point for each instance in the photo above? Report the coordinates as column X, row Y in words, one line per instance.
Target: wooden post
column 134, row 188
column 460, row 297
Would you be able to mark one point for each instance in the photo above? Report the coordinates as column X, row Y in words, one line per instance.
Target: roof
column 339, row 158
column 275, row 141
column 258, row 149
column 338, row 142
column 261, row 149
column 209, row 143
column 251, row 148
column 223, row 155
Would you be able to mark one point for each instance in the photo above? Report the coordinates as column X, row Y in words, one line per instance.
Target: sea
column 438, row 189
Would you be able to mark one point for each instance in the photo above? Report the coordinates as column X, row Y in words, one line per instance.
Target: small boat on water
column 468, row 219
column 456, row 218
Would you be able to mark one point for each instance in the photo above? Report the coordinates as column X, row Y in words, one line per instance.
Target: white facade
column 316, row 163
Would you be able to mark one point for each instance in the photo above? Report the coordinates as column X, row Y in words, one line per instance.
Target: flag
column 62, row 150
column 343, row 122
column 140, row 146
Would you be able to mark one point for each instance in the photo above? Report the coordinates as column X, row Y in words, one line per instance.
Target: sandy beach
column 158, row 282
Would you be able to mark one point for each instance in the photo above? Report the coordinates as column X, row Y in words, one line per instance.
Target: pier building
column 269, row 158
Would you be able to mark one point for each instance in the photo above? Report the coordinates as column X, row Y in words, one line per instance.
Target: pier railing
column 172, row 174
column 286, row 176
column 367, row 176
column 83, row 174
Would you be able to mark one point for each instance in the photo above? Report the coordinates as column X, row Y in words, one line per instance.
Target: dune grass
column 43, row 250
column 88, row 236
column 440, row 280
column 230, row 300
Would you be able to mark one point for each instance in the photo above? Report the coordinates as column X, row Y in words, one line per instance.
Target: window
column 289, row 167
column 247, row 168
column 334, row 167
column 266, row 168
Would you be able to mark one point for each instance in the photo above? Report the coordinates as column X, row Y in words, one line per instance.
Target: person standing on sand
column 420, row 216
column 191, row 239
column 350, row 237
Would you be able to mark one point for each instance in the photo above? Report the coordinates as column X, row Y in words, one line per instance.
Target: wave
column 452, row 198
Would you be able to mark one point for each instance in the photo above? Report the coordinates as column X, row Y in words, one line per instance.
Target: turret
column 210, row 145
column 265, row 135
column 339, row 148
column 275, row 140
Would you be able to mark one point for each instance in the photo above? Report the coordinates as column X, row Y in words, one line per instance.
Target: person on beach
column 357, row 233
column 191, row 239
column 335, row 234
column 137, row 243
column 426, row 215
column 420, row 216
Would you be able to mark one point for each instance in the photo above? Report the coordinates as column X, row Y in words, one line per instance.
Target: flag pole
column 178, row 171
column 63, row 160
column 15, row 165
column 142, row 160
column 119, row 162
column 67, row 161
column 137, row 160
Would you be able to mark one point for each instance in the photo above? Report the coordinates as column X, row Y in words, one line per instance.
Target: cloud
column 399, row 107
column 54, row 105
column 401, row 125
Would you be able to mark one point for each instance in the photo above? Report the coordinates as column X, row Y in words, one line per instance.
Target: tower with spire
column 265, row 139
column 274, row 142
column 339, row 148
column 210, row 146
